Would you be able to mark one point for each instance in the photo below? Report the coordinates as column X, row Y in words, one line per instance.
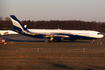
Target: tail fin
column 17, row 25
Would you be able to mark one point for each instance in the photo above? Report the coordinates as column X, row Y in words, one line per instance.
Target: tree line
column 55, row 24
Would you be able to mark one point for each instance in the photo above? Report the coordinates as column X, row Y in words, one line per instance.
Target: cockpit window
column 98, row 33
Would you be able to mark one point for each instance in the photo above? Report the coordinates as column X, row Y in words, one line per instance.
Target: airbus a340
column 55, row 34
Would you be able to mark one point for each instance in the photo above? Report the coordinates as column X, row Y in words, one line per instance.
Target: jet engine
column 40, row 36
column 57, row 39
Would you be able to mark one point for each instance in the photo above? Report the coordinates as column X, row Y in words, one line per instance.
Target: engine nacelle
column 57, row 39
column 40, row 36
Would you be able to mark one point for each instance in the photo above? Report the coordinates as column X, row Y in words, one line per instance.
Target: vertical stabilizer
column 17, row 25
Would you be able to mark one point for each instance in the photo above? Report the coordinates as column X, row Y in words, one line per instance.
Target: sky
column 84, row 10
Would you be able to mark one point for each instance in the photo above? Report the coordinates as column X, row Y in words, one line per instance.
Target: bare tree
column 7, row 19
column 1, row 18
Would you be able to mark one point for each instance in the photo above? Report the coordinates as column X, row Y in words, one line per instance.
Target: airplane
column 7, row 32
column 56, row 35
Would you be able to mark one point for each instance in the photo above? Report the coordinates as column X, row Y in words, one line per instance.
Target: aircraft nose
column 102, row 35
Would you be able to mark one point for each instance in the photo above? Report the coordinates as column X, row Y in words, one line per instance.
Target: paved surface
column 79, row 55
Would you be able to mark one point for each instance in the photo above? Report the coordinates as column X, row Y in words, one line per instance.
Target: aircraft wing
column 63, row 36
column 47, row 35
